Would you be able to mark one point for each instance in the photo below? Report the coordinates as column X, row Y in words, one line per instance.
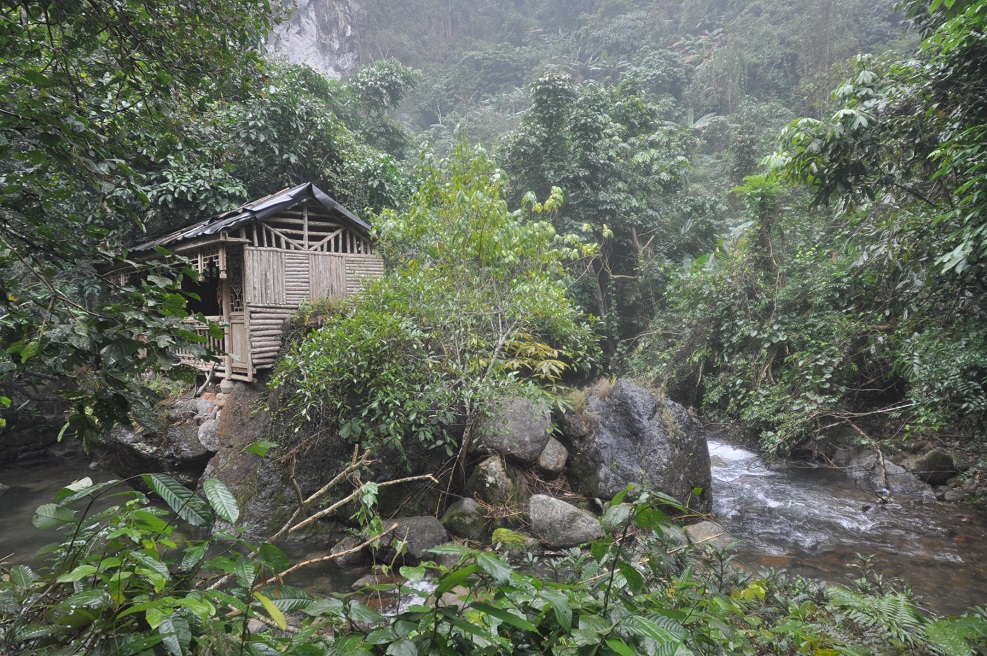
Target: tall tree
column 91, row 92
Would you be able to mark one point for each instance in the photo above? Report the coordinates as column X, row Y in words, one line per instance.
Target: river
column 810, row 520
column 814, row 521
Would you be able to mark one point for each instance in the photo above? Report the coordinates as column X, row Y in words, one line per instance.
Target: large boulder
column 877, row 473
column 495, row 482
column 517, row 428
column 268, row 488
column 553, row 457
column 935, row 467
column 465, row 519
column 560, row 524
column 418, row 535
column 624, row 434
column 171, row 449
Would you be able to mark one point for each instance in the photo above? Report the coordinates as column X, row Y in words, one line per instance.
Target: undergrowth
column 124, row 582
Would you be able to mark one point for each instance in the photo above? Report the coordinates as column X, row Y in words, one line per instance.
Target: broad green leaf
column 560, row 605
column 22, row 576
column 179, row 498
column 642, row 626
column 412, row 573
column 221, row 499
column 246, row 571
column 272, row 611
column 453, row 579
column 276, row 559
column 73, row 487
column 193, row 556
column 151, row 563
column 69, row 495
column 403, row 647
column 175, row 634
column 621, row 648
column 261, row 447
column 949, row 637
column 505, row 616
column 92, row 598
column 615, row 518
column 52, row 516
column 77, row 574
column 495, row 567
column 288, row 597
column 357, row 612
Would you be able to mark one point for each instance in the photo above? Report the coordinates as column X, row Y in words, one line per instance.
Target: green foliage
column 619, row 163
column 125, row 582
column 473, row 305
column 92, row 93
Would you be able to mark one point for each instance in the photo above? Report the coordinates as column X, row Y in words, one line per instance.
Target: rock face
column 174, row 450
column 419, row 535
column 560, row 524
column 709, row 533
column 517, row 428
column 466, row 519
column 495, row 482
column 624, row 434
column 865, row 466
column 935, row 467
column 553, row 457
column 318, row 33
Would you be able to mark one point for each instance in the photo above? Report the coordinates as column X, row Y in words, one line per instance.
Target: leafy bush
column 125, row 582
column 474, row 304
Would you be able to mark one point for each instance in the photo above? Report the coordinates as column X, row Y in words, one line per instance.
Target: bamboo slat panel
column 266, row 329
column 296, row 278
column 264, row 276
column 328, row 276
column 360, row 268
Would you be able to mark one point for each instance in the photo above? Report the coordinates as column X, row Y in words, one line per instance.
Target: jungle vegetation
column 771, row 210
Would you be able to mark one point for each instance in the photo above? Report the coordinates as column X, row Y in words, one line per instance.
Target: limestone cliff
column 319, row 33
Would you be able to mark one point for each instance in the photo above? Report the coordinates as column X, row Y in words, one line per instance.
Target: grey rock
column 3, row 488
column 496, row 483
column 466, row 519
column 419, row 535
column 553, row 457
column 560, row 524
column 517, row 428
column 624, row 434
column 181, row 410
column 319, row 34
column 353, row 559
column 709, row 533
column 209, row 434
column 174, row 450
column 935, row 467
column 866, row 468
column 954, row 496
column 206, row 408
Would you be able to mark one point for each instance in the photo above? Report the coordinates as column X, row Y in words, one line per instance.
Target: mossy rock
column 512, row 540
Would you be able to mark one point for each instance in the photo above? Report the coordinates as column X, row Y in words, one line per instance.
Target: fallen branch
column 358, row 461
column 354, row 495
column 322, row 559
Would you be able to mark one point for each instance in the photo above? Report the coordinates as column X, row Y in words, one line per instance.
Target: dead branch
column 322, row 559
column 354, row 495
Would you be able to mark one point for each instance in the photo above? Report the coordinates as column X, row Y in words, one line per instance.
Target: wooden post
column 224, row 286
column 305, row 227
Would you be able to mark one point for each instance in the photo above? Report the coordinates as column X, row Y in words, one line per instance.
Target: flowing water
column 812, row 521
column 815, row 521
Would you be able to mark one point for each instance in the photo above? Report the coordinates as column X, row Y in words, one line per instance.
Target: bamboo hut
column 258, row 263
